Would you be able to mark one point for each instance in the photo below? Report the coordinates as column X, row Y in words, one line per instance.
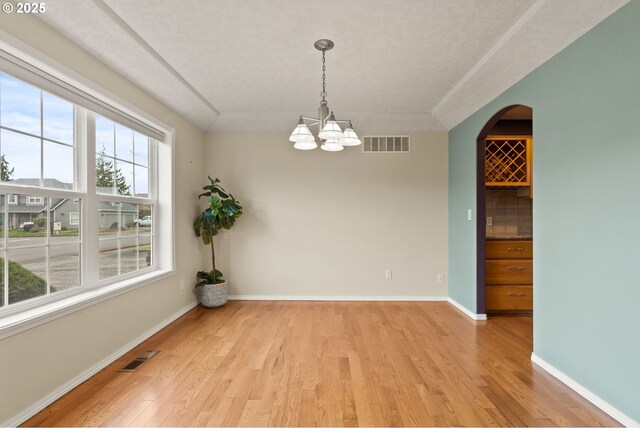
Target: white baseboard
column 467, row 312
column 59, row 392
column 593, row 398
column 340, row 298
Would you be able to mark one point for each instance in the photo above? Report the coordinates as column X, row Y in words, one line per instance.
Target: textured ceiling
column 410, row 65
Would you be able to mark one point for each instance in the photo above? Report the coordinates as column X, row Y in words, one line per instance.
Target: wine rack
column 508, row 161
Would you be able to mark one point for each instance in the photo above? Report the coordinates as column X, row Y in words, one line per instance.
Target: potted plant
column 222, row 212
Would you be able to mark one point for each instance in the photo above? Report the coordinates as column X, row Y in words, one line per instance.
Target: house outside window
column 12, row 199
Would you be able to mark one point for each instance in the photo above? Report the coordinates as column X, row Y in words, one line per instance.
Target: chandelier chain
column 323, row 94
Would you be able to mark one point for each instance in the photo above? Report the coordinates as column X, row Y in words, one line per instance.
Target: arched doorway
column 514, row 125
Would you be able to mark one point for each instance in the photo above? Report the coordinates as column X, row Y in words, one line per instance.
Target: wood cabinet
column 506, row 272
column 503, row 298
column 509, row 249
column 509, row 276
column 508, row 161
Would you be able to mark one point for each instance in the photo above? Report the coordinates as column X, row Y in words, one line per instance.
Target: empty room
column 287, row 213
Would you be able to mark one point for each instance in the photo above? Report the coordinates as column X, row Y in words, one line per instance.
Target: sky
column 20, row 110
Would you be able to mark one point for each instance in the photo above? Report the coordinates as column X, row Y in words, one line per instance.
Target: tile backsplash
column 511, row 216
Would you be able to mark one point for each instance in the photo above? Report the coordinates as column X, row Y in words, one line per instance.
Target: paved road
column 63, row 245
column 64, row 257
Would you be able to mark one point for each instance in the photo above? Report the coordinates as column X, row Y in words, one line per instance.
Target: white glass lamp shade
column 350, row 137
column 332, row 146
column 331, row 130
column 301, row 134
column 305, row 145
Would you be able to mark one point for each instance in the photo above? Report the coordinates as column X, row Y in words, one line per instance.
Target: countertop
column 509, row 238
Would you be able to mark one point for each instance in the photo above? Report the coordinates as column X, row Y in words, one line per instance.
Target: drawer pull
column 515, row 294
column 515, row 268
column 515, row 249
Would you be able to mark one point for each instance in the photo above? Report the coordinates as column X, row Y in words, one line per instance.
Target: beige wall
column 330, row 224
column 36, row 362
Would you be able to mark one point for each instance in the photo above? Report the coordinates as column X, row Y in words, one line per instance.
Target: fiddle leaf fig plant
column 222, row 211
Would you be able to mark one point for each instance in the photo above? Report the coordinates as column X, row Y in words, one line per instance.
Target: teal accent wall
column 586, row 208
column 462, row 232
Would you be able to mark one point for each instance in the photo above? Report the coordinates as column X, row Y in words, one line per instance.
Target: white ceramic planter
column 214, row 295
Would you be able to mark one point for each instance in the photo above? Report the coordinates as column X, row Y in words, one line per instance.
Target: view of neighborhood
column 36, row 252
column 41, row 244
column 41, row 235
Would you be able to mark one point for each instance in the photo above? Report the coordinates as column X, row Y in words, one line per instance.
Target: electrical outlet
column 440, row 278
column 489, row 221
column 388, row 274
column 182, row 284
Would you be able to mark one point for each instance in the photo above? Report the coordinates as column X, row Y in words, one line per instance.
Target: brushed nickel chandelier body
column 334, row 139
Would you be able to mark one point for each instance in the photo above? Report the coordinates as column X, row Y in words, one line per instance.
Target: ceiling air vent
column 386, row 144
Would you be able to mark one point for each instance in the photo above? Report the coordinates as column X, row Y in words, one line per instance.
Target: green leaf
column 229, row 207
column 203, row 274
column 215, row 202
column 197, row 225
column 206, row 278
column 220, row 191
column 206, row 236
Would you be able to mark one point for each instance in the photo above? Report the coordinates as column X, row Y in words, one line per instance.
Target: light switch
column 469, row 214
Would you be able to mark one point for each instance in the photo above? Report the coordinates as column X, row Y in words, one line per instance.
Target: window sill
column 17, row 323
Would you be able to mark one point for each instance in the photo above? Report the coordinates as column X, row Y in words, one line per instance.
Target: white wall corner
column 467, row 312
column 593, row 398
column 82, row 377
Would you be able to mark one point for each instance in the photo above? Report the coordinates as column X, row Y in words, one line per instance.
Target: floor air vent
column 386, row 144
column 133, row 365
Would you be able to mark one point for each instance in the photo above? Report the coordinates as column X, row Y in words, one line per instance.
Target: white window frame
column 12, row 199
column 35, row 200
column 74, row 218
column 25, row 63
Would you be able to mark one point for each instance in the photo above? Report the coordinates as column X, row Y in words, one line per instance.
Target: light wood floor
column 329, row 364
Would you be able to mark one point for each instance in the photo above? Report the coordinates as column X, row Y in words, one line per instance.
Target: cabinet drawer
column 509, row 250
column 509, row 298
column 509, row 272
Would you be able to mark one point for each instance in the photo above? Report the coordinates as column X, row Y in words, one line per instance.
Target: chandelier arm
column 313, row 120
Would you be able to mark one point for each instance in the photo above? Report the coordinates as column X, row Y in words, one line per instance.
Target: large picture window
column 62, row 232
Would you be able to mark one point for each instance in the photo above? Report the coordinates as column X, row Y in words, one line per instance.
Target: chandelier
column 333, row 137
